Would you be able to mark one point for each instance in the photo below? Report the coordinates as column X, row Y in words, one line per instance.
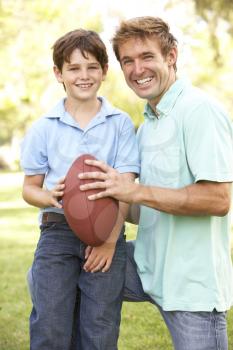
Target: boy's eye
column 94, row 67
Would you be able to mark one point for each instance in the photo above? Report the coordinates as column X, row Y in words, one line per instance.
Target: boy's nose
column 84, row 74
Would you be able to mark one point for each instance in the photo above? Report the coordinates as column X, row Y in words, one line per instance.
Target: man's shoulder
column 194, row 96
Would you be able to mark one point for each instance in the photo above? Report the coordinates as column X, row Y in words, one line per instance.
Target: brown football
column 91, row 221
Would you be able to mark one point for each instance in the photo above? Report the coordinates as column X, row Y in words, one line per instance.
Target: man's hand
column 112, row 183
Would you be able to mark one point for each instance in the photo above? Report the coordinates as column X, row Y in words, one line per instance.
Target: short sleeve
column 209, row 143
column 127, row 159
column 33, row 158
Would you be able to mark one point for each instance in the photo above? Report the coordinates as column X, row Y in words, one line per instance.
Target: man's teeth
column 143, row 81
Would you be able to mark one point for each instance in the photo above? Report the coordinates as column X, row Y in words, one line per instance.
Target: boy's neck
column 82, row 112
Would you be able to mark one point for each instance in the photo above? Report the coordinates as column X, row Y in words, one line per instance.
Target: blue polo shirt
column 56, row 140
column 185, row 261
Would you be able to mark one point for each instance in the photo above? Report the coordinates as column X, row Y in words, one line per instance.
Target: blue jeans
column 73, row 309
column 189, row 330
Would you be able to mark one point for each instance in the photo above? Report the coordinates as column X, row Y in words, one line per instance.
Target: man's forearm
column 203, row 198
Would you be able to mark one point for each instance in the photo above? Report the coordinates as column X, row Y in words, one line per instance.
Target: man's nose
column 138, row 67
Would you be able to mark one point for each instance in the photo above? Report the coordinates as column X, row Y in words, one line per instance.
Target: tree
column 213, row 12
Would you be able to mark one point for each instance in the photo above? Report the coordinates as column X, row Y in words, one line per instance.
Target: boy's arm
column 133, row 214
column 34, row 193
column 100, row 258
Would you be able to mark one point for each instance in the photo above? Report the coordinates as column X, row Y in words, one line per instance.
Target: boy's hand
column 99, row 258
column 56, row 193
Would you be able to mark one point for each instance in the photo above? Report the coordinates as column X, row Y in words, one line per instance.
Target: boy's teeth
column 143, row 81
column 84, row 85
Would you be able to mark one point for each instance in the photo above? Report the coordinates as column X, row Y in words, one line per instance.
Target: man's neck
column 155, row 101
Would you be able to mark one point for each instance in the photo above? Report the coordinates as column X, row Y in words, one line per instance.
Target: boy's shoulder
column 46, row 118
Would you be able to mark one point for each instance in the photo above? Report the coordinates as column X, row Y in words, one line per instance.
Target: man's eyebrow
column 125, row 57
column 144, row 53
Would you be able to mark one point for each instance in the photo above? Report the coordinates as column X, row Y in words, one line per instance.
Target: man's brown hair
column 87, row 41
column 144, row 27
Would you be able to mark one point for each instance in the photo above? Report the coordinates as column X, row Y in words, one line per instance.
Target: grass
column 141, row 327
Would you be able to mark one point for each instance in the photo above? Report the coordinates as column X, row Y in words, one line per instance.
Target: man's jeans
column 57, row 278
column 189, row 330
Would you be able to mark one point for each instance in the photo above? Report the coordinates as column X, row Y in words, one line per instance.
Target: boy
column 80, row 123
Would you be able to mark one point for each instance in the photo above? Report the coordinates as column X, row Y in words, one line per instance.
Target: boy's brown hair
column 144, row 27
column 87, row 41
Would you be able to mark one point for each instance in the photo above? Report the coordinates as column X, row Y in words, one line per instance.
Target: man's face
column 147, row 72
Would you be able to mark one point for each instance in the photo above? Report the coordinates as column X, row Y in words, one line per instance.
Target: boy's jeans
column 54, row 279
column 189, row 330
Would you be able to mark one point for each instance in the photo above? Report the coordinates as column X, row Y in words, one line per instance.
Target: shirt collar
column 168, row 100
column 59, row 112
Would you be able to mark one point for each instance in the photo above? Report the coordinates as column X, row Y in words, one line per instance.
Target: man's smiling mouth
column 144, row 81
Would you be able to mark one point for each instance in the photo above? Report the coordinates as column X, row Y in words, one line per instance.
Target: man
column 182, row 251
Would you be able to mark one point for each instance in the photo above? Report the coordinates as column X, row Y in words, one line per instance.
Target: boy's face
column 147, row 72
column 81, row 76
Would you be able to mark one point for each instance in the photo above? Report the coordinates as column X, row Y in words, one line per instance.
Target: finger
column 61, row 180
column 107, row 265
column 89, row 262
column 57, row 193
column 98, row 267
column 56, row 204
column 92, row 185
column 98, row 163
column 88, row 251
column 93, row 175
column 99, row 195
column 59, row 187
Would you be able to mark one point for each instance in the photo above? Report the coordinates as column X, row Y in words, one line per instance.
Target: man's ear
column 58, row 74
column 105, row 70
column 172, row 56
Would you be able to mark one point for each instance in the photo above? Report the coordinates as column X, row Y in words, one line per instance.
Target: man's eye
column 148, row 57
column 126, row 62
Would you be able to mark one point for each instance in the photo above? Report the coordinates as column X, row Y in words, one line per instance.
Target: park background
column 204, row 29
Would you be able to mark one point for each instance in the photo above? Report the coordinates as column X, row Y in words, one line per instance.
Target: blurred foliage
column 29, row 29
column 214, row 12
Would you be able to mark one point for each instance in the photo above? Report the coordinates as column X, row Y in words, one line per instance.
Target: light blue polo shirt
column 56, row 140
column 184, row 261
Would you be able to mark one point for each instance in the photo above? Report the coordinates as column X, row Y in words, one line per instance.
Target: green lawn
column 141, row 327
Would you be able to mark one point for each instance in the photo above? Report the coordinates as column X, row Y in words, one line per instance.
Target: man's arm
column 202, row 198
column 34, row 193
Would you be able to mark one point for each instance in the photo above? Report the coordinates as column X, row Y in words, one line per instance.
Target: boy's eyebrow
column 78, row 64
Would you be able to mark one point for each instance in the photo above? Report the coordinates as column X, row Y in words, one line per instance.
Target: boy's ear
column 58, row 74
column 105, row 70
